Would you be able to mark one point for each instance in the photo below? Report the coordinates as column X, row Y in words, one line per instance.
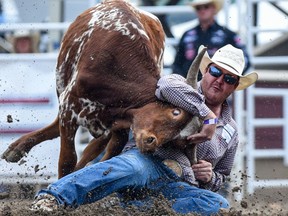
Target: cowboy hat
column 231, row 59
column 218, row 3
column 23, row 33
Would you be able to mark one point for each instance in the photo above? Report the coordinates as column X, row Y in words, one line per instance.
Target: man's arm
column 174, row 89
column 221, row 171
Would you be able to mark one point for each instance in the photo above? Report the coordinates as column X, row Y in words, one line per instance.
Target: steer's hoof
column 13, row 156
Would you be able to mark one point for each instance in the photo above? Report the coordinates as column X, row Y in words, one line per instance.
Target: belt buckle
column 174, row 166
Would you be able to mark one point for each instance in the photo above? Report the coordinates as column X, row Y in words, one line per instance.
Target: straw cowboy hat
column 218, row 3
column 23, row 33
column 231, row 59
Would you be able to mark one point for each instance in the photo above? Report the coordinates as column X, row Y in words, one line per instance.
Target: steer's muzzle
column 146, row 142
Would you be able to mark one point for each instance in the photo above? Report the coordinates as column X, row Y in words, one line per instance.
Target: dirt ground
column 263, row 202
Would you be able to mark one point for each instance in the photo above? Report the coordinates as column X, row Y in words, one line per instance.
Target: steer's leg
column 116, row 144
column 68, row 157
column 93, row 149
column 23, row 145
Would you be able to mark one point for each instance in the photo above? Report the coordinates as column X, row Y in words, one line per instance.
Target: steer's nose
column 149, row 140
column 147, row 143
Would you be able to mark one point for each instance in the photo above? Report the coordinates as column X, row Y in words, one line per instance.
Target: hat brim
column 245, row 80
column 218, row 4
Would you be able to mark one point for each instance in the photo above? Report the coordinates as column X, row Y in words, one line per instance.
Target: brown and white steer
column 109, row 63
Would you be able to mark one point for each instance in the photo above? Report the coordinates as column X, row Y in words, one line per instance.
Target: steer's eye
column 176, row 112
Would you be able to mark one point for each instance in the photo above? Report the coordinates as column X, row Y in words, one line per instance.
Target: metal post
column 285, row 129
column 238, row 166
column 250, row 146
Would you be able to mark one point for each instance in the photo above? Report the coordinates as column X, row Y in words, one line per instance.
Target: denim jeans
column 132, row 171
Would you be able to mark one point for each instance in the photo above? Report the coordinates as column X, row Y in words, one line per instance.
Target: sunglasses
column 204, row 7
column 229, row 79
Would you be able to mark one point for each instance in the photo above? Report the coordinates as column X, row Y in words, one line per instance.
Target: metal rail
column 252, row 153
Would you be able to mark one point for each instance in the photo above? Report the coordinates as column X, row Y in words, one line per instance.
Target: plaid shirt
column 219, row 151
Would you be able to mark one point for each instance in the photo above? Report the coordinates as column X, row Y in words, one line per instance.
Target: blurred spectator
column 9, row 11
column 2, row 20
column 208, row 33
column 8, row 14
column 24, row 41
column 44, row 41
column 44, row 38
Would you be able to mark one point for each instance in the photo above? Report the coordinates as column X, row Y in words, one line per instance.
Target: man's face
column 205, row 12
column 217, row 84
column 23, row 45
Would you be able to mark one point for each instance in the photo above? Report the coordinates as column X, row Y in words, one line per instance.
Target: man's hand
column 206, row 132
column 203, row 171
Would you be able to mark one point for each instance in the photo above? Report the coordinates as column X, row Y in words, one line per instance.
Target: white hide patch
column 160, row 59
column 112, row 20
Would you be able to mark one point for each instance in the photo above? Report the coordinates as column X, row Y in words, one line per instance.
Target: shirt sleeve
column 223, row 168
column 174, row 89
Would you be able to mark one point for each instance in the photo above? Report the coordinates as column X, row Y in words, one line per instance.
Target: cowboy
column 25, row 41
column 208, row 33
column 136, row 177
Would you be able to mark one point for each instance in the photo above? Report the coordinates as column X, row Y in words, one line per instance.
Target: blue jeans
column 132, row 171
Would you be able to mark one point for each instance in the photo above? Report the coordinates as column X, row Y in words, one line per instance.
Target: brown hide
column 157, row 124
column 114, row 69
column 117, row 69
column 107, row 70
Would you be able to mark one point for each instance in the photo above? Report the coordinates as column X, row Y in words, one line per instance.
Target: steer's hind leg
column 23, row 145
column 93, row 149
column 116, row 144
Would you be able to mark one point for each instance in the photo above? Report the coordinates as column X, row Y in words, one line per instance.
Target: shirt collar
column 214, row 26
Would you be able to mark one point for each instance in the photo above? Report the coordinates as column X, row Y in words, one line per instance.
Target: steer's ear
column 194, row 68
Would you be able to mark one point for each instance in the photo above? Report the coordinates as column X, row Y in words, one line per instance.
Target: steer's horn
column 194, row 68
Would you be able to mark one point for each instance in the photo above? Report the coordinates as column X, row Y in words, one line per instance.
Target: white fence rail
column 252, row 153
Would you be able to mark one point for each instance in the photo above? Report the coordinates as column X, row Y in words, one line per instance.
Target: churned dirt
column 263, row 202
column 107, row 206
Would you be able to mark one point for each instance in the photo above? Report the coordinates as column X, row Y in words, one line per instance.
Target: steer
column 110, row 60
